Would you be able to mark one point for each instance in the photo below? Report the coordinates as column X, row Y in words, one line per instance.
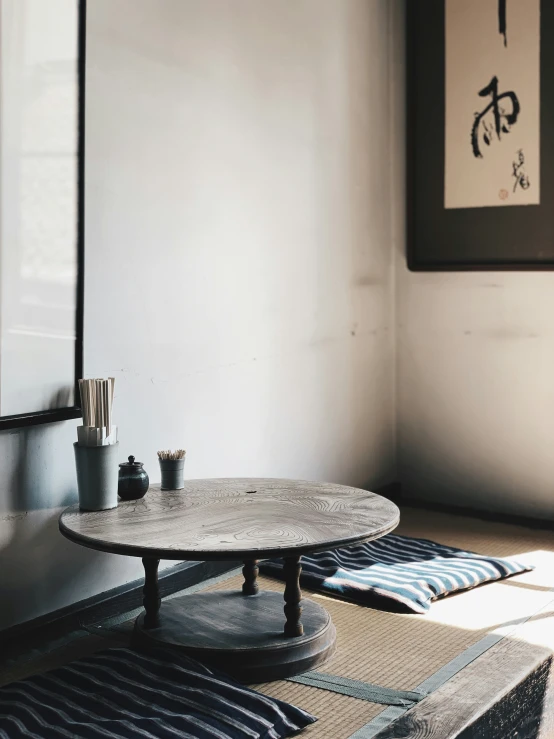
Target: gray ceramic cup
column 97, row 476
column 172, row 473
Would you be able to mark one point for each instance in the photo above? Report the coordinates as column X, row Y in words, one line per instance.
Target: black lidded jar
column 133, row 480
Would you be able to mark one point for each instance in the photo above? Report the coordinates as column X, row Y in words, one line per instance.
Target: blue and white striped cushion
column 121, row 694
column 398, row 570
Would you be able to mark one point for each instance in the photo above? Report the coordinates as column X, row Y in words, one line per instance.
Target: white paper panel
column 38, row 203
column 492, row 141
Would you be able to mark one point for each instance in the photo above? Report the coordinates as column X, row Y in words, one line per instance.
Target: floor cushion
column 397, row 572
column 120, row 693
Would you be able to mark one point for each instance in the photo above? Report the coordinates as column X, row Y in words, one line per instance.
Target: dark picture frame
column 488, row 238
column 73, row 411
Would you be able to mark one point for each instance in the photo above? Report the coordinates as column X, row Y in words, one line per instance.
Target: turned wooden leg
column 151, row 593
column 293, row 597
column 250, row 572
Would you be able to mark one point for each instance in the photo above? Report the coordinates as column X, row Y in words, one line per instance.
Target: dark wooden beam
column 103, row 606
column 506, row 692
column 481, row 514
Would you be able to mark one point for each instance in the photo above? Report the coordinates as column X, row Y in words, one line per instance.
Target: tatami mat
column 401, row 651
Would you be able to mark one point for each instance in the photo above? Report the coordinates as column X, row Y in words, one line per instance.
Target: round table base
column 241, row 634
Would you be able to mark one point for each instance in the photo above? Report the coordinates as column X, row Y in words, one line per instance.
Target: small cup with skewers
column 172, row 468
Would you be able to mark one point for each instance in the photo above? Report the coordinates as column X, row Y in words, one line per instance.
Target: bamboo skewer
column 168, row 454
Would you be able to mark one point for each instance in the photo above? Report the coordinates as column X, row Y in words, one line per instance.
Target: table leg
column 151, row 592
column 250, row 572
column 293, row 597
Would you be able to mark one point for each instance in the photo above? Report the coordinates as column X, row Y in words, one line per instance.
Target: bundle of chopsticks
column 97, row 403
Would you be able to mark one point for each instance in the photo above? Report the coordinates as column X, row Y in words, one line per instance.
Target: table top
column 239, row 518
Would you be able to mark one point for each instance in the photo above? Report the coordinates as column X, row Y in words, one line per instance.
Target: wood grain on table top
column 237, row 518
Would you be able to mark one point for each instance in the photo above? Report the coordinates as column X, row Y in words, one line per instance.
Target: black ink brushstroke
column 518, row 172
column 502, row 119
column 502, row 27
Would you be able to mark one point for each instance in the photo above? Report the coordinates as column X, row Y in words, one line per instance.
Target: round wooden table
column 244, row 519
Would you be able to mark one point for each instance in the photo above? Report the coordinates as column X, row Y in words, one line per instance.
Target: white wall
column 476, row 389
column 475, row 369
column 238, row 262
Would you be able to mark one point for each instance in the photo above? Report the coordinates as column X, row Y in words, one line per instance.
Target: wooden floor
column 513, row 620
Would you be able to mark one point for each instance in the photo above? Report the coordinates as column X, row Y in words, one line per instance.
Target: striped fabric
column 398, row 572
column 121, row 694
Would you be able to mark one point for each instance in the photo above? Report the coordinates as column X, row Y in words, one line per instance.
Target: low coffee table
column 243, row 632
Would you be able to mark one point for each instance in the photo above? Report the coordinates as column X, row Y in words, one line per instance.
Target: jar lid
column 131, row 463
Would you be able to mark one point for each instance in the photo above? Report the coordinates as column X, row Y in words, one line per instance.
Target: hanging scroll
column 492, row 94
